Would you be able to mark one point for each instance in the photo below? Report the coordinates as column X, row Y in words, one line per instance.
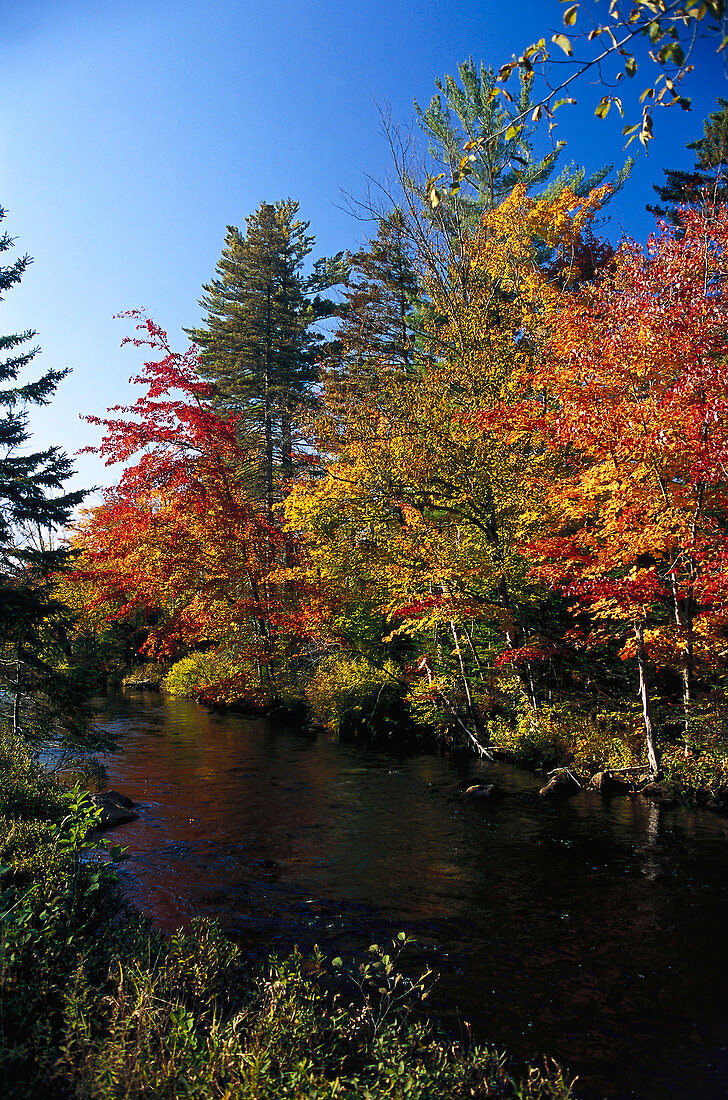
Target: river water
column 594, row 931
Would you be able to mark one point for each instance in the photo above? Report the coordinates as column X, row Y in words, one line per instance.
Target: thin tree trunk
column 16, row 701
column 468, row 697
column 286, row 443
column 653, row 755
column 683, row 611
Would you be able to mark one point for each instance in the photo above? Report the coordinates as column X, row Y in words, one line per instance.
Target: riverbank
column 373, row 707
column 98, row 1004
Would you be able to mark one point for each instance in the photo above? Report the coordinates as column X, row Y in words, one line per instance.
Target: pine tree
column 706, row 183
column 32, row 506
column 374, row 351
column 379, row 294
column 470, row 113
column 258, row 342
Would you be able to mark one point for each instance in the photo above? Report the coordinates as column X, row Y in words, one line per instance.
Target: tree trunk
column 653, row 755
column 683, row 611
column 268, row 400
column 16, row 701
column 466, row 685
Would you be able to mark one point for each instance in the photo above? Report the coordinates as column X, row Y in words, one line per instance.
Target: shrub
column 350, row 695
column 149, row 673
column 549, row 737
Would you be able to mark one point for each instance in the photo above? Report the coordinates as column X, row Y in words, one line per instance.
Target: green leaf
column 570, row 15
column 563, row 42
column 630, row 66
column 512, row 132
column 338, row 962
column 603, row 107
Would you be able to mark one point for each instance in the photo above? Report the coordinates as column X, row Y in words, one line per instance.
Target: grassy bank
column 97, row 1004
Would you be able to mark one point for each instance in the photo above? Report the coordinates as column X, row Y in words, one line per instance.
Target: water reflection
column 594, row 931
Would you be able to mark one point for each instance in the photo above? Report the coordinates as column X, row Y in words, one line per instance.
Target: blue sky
column 133, row 132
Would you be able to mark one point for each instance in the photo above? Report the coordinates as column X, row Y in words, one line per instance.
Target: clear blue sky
column 132, row 133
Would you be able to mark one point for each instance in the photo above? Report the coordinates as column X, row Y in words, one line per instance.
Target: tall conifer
column 374, row 351
column 467, row 111
column 32, row 505
column 706, row 183
column 258, row 342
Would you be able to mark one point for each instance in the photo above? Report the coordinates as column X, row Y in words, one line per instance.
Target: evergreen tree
column 380, row 291
column 258, row 342
column 32, row 506
column 706, row 183
column 374, row 354
column 468, row 112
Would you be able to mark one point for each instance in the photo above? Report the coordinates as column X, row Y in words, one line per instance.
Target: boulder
column 562, row 785
column 483, row 790
column 658, row 792
column 116, row 809
column 608, row 784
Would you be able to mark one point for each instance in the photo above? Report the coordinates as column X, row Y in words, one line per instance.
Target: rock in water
column 608, row 784
column 658, row 792
column 483, row 790
column 116, row 809
column 561, row 786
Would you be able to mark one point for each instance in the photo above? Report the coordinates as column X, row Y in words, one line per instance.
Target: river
column 595, row 931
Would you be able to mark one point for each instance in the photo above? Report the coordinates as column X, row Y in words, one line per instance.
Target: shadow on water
column 593, row 931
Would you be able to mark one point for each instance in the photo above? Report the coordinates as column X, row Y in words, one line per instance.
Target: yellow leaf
column 563, row 42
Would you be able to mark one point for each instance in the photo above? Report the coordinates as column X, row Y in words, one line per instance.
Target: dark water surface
column 594, row 931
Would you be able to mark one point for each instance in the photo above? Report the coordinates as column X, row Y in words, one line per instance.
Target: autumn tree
column 258, row 341
column 601, row 40
column 416, row 508
column 632, row 391
column 180, row 538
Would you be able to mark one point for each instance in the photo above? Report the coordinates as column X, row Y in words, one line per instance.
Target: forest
column 467, row 482
column 464, row 488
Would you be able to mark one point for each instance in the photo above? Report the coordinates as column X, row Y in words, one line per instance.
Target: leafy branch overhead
column 613, row 41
